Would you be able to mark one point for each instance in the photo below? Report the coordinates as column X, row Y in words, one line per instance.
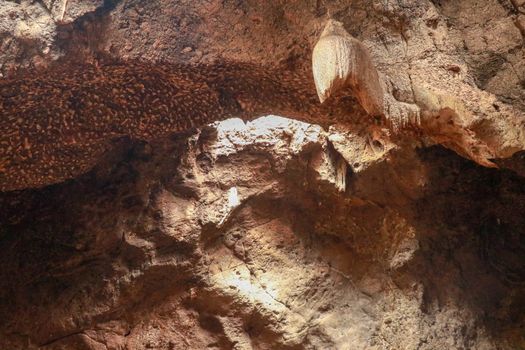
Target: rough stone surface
column 471, row 53
column 271, row 233
column 253, row 236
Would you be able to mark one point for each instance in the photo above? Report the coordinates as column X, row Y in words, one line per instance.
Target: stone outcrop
column 339, row 231
column 263, row 235
column 468, row 52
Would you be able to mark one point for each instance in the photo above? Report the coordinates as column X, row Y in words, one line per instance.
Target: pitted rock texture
column 456, row 79
column 54, row 129
column 253, row 236
column 266, row 233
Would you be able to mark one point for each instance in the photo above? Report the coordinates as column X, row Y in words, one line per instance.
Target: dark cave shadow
column 471, row 228
column 63, row 245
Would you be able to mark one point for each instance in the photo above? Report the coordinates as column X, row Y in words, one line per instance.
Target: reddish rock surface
column 277, row 234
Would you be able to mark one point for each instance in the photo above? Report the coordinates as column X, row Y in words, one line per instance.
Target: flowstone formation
column 145, row 205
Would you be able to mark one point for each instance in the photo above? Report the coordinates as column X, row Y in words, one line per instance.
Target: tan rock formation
column 335, row 231
column 338, row 60
column 249, row 236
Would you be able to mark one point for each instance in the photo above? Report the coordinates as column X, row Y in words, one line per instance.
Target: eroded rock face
column 255, row 236
column 468, row 57
column 273, row 234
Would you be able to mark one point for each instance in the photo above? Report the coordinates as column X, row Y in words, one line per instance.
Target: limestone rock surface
column 274, row 233
column 262, row 235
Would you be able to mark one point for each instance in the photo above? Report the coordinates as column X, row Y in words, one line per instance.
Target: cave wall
column 277, row 234
column 255, row 236
column 466, row 56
